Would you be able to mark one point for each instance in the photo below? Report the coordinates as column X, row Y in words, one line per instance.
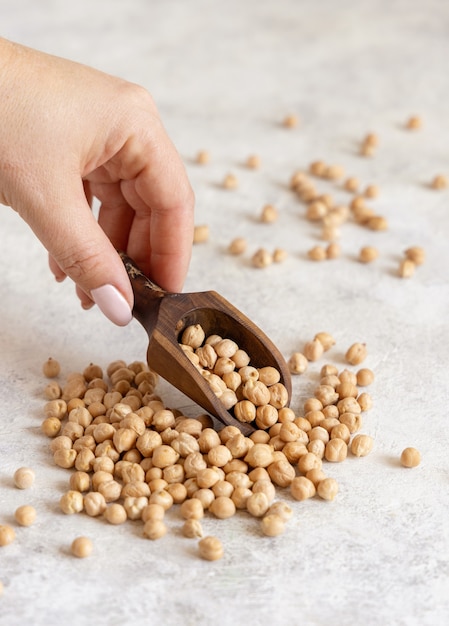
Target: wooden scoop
column 164, row 316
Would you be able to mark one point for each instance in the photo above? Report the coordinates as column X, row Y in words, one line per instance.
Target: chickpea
column 297, row 363
column 154, row 529
column 272, row 525
column 52, row 391
column 365, row 377
column 94, row 503
column 269, row 214
column 80, row 481
column 65, row 458
column 192, row 529
column 410, row 457
column 361, row 445
column 71, row 502
column 327, row 489
column 177, row 492
column 281, row 473
column 367, row 254
column 7, row 535
column 222, row 507
column 406, row 268
column 315, row 475
column 24, row 478
column 210, row 548
column 356, row 353
column 230, row 181
column 192, row 509
column 313, row 350
column 115, row 514
column 415, row 254
column 261, row 258
column 200, row 233
column 309, row 461
column 81, row 547
column 302, row 488
column 134, row 506
column 237, row 246
column 51, row 368
column 51, row 426
column 336, row 450
column 25, row 515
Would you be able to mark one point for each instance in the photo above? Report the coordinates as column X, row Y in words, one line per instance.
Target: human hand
column 70, row 133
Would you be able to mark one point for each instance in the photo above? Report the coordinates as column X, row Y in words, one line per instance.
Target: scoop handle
column 147, row 295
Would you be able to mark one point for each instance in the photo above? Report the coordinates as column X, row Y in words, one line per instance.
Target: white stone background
column 224, row 74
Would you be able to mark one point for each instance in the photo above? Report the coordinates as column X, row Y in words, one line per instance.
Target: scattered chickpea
column 82, row 547
column 365, row 377
column 210, row 548
column 439, row 182
column 290, row 121
column 333, row 250
column 51, row 368
column 51, row 426
column 302, row 488
column 203, row 157
column 334, row 172
column 94, row 503
column 237, row 246
column 281, row 509
column 192, row 509
column 52, row 391
column 230, row 181
column 371, row 139
column 368, row 254
column 361, row 445
column 414, row 122
column 71, row 502
column 25, row 515
column 154, row 529
column 351, row 184
column 7, row 535
column 313, row 350
column 377, row 222
column 269, row 214
column 279, row 255
column 317, row 253
column 261, row 258
column 327, row 489
column 24, row 478
column 410, row 457
column 253, row 161
column 416, row 254
column 297, row 363
column 222, row 507
column 115, row 514
column 371, row 191
column 192, row 529
column 272, row 525
column 406, row 268
column 356, row 353
column 336, row 450
column 367, row 149
column 200, row 233
column 317, row 168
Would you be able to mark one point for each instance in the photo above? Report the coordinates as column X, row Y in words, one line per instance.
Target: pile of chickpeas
column 133, row 458
column 253, row 394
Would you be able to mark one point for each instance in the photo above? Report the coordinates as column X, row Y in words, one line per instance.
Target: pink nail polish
column 112, row 304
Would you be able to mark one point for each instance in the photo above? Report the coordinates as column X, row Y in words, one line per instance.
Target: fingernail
column 112, row 304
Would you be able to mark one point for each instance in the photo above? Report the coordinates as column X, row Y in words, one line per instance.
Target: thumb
column 80, row 249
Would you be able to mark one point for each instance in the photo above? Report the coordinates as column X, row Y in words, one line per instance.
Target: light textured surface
column 224, row 75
